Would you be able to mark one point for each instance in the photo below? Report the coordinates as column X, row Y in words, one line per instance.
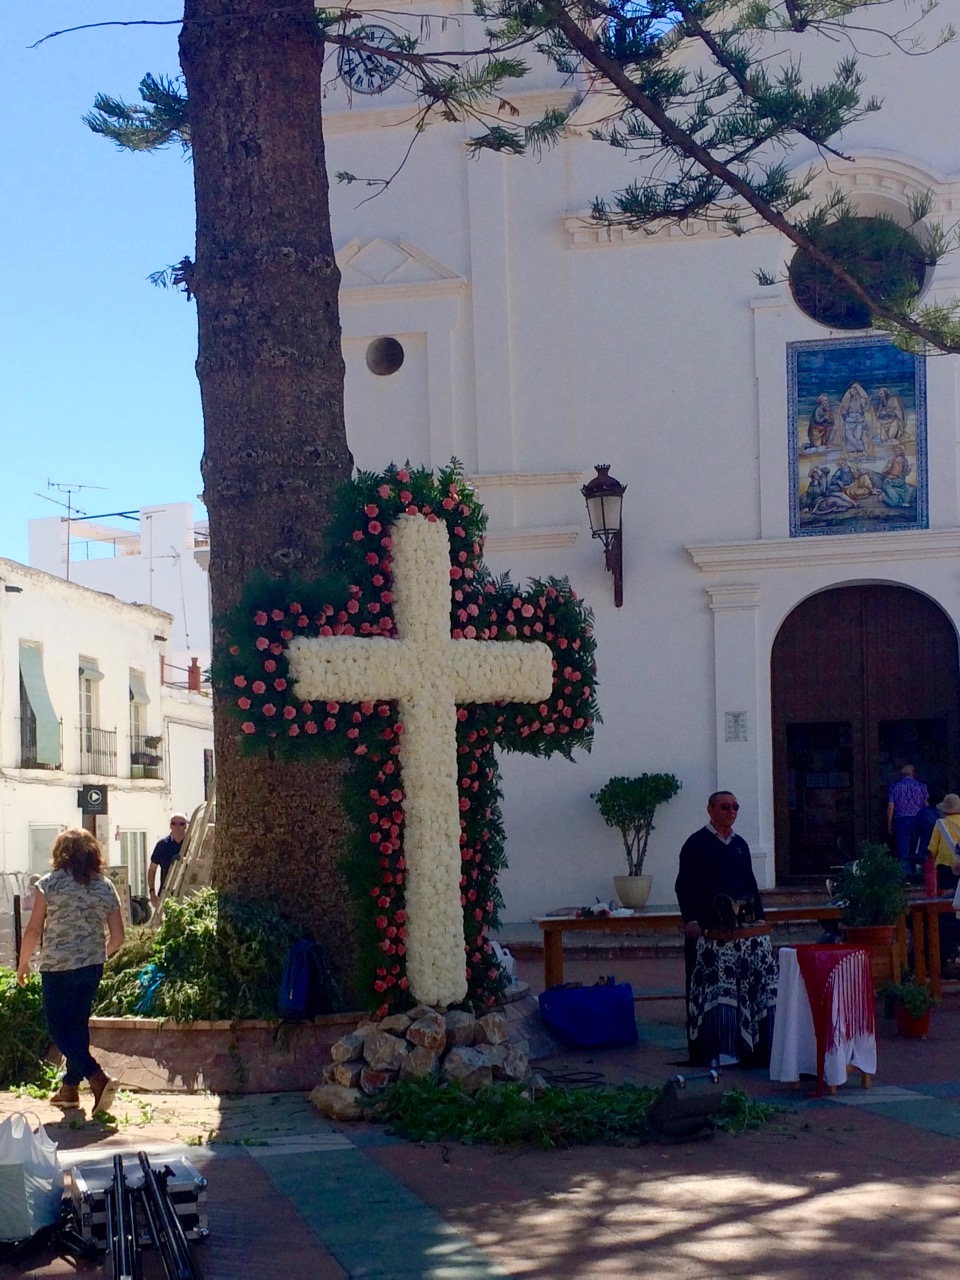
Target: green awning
column 89, row 670
column 48, row 723
column 138, row 689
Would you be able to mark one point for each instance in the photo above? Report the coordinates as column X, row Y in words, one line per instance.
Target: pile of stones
column 426, row 1043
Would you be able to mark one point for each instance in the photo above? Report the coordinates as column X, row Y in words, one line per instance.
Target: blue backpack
column 304, row 985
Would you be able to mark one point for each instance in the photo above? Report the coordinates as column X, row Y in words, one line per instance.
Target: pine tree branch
column 588, row 49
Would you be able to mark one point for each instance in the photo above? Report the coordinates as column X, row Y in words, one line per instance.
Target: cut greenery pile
column 23, row 1032
column 213, row 957
column 508, row 1114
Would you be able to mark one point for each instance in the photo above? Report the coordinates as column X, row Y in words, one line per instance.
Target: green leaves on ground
column 23, row 1032
column 508, row 1114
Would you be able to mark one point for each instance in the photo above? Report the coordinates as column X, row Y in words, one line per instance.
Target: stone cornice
column 819, row 552
column 522, row 479
column 723, row 598
column 344, row 120
column 407, row 291
column 545, row 539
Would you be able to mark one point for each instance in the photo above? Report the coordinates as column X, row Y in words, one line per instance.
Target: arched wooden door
column 864, row 678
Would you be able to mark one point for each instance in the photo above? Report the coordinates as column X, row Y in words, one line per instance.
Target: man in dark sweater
column 714, row 862
column 165, row 854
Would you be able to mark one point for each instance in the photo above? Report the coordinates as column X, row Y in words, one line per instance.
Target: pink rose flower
column 260, row 618
column 270, row 665
column 289, row 713
column 243, row 703
column 258, row 686
column 269, row 709
column 262, row 643
column 248, row 727
column 240, row 681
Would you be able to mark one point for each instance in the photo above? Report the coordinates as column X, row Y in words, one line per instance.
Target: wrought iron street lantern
column 604, row 498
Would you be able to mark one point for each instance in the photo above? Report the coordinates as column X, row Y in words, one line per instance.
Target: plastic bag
column 31, row 1180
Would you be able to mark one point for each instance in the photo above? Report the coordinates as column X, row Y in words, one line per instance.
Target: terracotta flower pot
column 910, row 1027
column 878, row 942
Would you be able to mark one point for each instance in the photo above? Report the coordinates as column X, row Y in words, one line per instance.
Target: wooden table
column 554, row 927
column 926, row 937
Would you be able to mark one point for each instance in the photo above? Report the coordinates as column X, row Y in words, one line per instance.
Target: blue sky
column 97, row 382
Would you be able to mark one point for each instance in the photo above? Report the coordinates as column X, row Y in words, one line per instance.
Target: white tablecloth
column 794, row 1051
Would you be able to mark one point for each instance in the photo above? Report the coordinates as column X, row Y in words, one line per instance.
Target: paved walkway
column 866, row 1185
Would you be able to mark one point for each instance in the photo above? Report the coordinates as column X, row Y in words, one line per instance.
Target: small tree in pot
column 872, row 900
column 629, row 805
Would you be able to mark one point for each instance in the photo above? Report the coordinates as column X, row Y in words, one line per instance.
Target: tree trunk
column 271, row 380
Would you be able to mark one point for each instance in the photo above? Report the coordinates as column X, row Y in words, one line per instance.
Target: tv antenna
column 69, row 490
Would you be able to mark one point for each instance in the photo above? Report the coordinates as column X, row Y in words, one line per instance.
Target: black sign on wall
column 92, row 800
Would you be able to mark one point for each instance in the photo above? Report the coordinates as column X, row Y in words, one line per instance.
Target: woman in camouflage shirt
column 77, row 914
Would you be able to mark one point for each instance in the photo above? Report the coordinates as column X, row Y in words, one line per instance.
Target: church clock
column 364, row 70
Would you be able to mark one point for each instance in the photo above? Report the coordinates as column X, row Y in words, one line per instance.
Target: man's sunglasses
column 728, row 806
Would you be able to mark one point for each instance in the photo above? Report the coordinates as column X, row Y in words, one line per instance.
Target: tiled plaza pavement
column 866, row 1185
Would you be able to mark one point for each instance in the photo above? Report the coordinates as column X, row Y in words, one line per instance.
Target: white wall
column 539, row 345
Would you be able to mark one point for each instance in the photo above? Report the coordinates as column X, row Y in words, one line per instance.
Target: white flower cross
column 428, row 673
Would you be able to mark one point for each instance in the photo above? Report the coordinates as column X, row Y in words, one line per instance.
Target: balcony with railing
column 146, row 757
column 30, row 753
column 98, row 752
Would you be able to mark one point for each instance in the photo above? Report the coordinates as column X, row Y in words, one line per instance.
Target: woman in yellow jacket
column 942, row 847
column 944, row 841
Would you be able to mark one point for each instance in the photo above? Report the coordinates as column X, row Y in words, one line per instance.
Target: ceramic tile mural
column 858, row 441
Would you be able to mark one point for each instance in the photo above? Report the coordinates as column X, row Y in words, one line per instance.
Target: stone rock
column 421, row 1011
column 536, row 1086
column 515, row 1064
column 384, row 1052
column 347, row 1047
column 395, row 1022
column 373, row 1081
column 470, row 1068
column 347, row 1073
column 420, row 1064
column 461, row 1028
column 490, row 1055
column 337, row 1103
column 327, row 1074
column 491, row 1029
column 430, row 1031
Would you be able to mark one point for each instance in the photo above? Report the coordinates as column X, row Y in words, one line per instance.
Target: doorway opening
column 864, row 679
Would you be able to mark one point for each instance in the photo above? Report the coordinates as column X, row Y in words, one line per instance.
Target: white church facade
column 791, row 594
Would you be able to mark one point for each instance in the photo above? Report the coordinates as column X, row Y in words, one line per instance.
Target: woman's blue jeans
column 67, row 1001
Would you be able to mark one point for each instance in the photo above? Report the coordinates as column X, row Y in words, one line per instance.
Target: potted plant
column 912, row 1002
column 629, row 805
column 872, row 900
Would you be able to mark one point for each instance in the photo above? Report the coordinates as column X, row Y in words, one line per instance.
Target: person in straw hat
column 943, row 849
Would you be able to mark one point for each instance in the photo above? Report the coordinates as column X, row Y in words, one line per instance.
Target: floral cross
column 364, row 604
column 428, row 674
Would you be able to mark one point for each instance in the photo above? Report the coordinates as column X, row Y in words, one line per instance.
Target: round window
column 384, row 356
column 877, row 252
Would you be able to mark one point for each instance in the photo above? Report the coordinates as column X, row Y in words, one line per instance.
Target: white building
column 788, row 646
column 157, row 556
column 83, row 711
